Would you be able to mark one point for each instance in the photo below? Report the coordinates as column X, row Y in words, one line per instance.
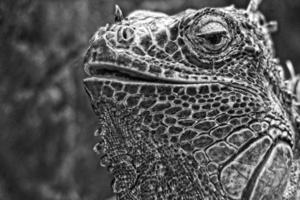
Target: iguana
column 194, row 106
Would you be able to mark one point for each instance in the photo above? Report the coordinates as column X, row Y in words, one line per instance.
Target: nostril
column 126, row 34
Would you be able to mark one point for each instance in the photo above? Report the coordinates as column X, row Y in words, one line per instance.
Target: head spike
column 291, row 69
column 118, row 14
column 253, row 5
column 230, row 7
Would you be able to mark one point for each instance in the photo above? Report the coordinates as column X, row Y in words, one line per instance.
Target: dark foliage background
column 46, row 123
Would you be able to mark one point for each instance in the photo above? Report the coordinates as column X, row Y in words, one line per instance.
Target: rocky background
column 46, row 123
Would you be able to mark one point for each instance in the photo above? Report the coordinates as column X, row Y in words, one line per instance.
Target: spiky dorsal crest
column 253, row 5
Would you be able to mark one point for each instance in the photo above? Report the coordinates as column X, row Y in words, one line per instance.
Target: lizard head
column 168, row 91
column 190, row 47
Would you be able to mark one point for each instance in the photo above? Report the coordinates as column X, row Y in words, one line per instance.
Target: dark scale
column 181, row 42
column 239, row 112
column 124, row 59
column 231, row 111
column 171, row 98
column 185, row 97
column 183, row 114
column 203, row 141
column 154, row 125
column 171, row 47
column 175, row 129
column 178, row 90
column 152, row 51
column 199, row 115
column 177, row 56
column 139, row 65
column 188, row 135
column 161, row 106
column 247, row 110
column 192, row 100
column 194, row 106
column 133, row 101
column 138, row 51
column 173, row 110
column 170, row 120
column 107, row 91
column 191, row 91
column 119, row 96
column 161, row 38
column 161, row 54
column 206, row 107
column 221, row 131
column 168, row 73
column 222, row 118
column 174, row 32
column 185, row 105
column 154, row 69
column 117, row 86
column 186, row 122
column 147, row 119
column 236, row 105
column 205, row 126
column 174, row 139
column 201, row 100
column 165, row 91
column 235, row 122
column 147, row 103
column 158, row 117
column 213, row 113
column 147, row 90
column 177, row 101
column 146, row 42
column 132, row 89
column 204, row 90
column 187, row 147
column 216, row 104
column 214, row 95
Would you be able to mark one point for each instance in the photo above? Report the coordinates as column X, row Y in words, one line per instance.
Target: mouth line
column 107, row 70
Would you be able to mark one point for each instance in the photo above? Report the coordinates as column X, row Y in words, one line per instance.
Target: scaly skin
column 193, row 106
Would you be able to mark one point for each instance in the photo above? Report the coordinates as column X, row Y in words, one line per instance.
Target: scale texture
column 194, row 106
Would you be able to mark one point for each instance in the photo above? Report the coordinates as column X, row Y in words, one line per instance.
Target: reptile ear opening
column 118, row 14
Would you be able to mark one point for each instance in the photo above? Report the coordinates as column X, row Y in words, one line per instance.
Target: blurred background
column 46, row 122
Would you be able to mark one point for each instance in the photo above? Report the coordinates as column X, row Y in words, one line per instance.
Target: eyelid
column 223, row 33
column 211, row 26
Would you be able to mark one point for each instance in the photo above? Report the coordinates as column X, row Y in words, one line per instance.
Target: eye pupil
column 214, row 38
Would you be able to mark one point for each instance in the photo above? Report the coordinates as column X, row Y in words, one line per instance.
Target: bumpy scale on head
column 191, row 106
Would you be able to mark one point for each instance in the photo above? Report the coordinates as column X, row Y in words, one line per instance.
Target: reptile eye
column 209, row 34
column 213, row 36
